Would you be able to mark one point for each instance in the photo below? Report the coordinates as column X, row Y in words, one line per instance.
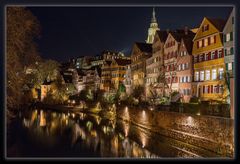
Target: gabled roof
column 123, row 62
column 179, row 34
column 144, row 47
column 218, row 23
column 188, row 44
column 162, row 35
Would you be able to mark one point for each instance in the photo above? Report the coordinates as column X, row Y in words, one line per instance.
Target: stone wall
column 214, row 134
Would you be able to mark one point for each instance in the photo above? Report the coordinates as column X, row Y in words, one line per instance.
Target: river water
column 45, row 133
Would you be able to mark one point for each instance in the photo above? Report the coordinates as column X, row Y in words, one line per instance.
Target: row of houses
column 196, row 62
column 193, row 62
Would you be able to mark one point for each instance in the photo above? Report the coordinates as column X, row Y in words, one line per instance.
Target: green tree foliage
column 22, row 27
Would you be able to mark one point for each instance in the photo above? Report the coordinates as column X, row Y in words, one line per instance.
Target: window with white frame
column 186, row 65
column 228, row 37
column 228, row 51
column 219, row 53
column 220, row 72
column 201, row 75
column 179, row 67
column 183, row 66
column 185, row 53
column 214, row 74
column 207, row 74
column 180, row 79
column 229, row 65
column 212, row 55
column 183, row 79
column 196, row 76
column 186, row 78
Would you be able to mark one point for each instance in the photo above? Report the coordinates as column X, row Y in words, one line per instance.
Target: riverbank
column 214, row 134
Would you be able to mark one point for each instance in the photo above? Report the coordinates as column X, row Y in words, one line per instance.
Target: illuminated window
column 200, row 43
column 220, row 72
column 211, row 39
column 228, row 37
column 207, row 74
column 201, row 75
column 212, row 55
column 214, row 74
column 205, row 42
column 196, row 76
column 229, row 65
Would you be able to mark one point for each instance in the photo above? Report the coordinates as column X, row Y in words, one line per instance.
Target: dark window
column 231, row 36
column 216, row 54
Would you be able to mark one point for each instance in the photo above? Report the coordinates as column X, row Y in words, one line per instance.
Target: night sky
column 69, row 32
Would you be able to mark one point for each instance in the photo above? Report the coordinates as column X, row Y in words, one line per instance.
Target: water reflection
column 79, row 134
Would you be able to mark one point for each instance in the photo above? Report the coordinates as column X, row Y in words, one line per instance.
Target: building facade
column 128, row 80
column 106, row 76
column 185, row 69
column 155, row 66
column 140, row 53
column 209, row 64
column 229, row 53
column 118, row 71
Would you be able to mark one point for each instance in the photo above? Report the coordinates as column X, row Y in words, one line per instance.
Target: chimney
column 186, row 30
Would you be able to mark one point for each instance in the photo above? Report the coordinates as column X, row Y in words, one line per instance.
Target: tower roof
column 153, row 20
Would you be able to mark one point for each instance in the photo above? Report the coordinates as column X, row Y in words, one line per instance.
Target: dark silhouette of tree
column 22, row 27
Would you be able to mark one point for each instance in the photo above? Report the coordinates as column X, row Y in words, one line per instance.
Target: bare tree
column 22, row 27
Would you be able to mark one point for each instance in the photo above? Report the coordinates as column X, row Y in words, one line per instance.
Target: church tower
column 152, row 29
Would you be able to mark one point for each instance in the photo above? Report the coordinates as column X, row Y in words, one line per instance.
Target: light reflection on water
column 77, row 133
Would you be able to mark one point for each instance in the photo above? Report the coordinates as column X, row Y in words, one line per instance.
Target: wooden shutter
column 222, row 53
column 231, row 50
column 209, row 56
column 231, row 36
column 215, row 39
column 211, row 88
column 197, row 44
column 203, row 89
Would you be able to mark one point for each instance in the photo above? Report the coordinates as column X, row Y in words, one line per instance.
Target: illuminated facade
column 45, row 88
column 140, row 53
column 185, row 68
column 118, row 71
column 154, row 66
column 209, row 67
column 106, row 76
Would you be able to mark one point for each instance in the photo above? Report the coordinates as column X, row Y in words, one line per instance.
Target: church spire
column 153, row 16
column 153, row 28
